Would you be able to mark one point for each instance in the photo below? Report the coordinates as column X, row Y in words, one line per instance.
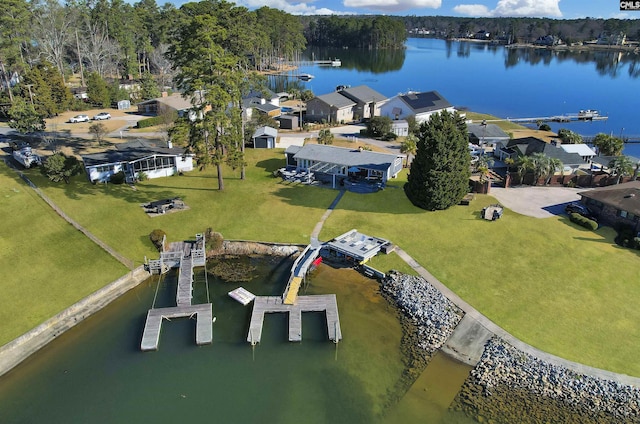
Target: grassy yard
column 559, row 287
column 556, row 286
column 47, row 264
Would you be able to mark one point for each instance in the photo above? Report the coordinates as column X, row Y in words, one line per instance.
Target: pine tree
column 439, row 175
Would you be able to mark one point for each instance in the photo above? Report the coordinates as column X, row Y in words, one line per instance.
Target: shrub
column 583, row 221
column 213, row 239
column 117, row 178
column 389, row 136
column 636, row 243
column 156, row 237
column 149, row 122
column 142, row 176
column 544, row 127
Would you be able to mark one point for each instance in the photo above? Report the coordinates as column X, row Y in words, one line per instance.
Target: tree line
column 368, row 32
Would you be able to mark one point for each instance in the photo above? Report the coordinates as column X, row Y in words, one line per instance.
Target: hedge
column 583, row 221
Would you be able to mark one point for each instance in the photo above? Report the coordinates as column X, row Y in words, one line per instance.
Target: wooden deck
column 273, row 304
column 184, row 294
column 203, row 314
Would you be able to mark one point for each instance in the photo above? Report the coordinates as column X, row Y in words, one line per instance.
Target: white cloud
column 293, row 7
column 472, row 9
column 393, row 5
column 529, row 8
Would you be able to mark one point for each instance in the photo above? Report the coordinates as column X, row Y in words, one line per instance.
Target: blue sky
column 560, row 9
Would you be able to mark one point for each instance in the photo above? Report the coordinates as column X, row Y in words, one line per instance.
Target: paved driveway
column 538, row 202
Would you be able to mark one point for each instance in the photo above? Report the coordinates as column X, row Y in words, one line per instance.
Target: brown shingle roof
column 625, row 196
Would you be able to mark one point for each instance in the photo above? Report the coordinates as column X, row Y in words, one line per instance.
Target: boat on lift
column 305, row 77
column 588, row 114
column 25, row 156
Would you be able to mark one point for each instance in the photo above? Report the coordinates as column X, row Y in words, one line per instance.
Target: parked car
column 101, row 116
column 79, row 118
column 580, row 210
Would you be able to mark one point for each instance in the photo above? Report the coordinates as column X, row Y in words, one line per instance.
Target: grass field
column 556, row 286
column 46, row 264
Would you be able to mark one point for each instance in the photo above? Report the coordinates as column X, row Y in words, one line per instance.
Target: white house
column 421, row 105
column 135, row 158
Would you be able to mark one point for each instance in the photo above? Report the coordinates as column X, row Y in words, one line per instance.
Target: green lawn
column 46, row 264
column 556, row 286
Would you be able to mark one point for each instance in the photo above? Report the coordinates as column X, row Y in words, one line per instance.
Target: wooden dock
column 203, row 314
column 184, row 255
column 273, row 304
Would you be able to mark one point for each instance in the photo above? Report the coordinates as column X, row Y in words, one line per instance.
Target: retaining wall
column 16, row 351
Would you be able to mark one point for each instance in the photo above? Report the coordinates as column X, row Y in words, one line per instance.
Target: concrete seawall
column 16, row 351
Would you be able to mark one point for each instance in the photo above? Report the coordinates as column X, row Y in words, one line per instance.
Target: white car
column 101, row 116
column 79, row 118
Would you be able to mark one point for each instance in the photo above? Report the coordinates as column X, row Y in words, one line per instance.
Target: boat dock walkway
column 299, row 270
column 272, row 304
column 185, row 256
column 558, row 118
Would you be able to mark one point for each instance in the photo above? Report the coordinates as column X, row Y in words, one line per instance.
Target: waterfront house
column 338, row 165
column 181, row 105
column 581, row 149
column 264, row 102
column 264, row 138
column 332, row 107
column 368, row 101
column 486, row 134
column 134, row 158
column 421, row 105
column 527, row 146
column 616, row 204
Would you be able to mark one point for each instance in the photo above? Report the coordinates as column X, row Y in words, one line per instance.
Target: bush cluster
column 156, row 236
column 583, row 221
column 117, row 178
column 213, row 239
column 149, row 122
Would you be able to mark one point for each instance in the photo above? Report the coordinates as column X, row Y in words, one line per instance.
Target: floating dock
column 242, row 295
column 273, row 304
column 185, row 256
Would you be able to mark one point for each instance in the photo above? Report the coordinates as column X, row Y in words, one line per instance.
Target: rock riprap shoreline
column 433, row 315
column 508, row 385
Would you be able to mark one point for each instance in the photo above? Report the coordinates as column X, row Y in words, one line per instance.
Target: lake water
column 96, row 372
column 514, row 83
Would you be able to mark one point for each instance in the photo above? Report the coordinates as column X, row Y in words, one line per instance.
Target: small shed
column 265, row 138
column 288, row 122
column 124, row 104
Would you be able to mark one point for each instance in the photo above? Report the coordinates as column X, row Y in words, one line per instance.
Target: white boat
column 588, row 114
column 26, row 157
column 305, row 77
column 336, row 62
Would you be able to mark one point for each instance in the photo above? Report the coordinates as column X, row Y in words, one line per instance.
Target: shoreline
column 507, row 381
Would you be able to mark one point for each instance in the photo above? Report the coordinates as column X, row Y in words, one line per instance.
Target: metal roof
column 425, row 102
column 268, row 131
column 346, row 157
column 581, row 149
column 357, row 245
column 129, row 152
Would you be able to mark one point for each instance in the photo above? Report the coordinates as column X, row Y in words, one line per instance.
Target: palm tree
column 524, row 164
column 482, row 165
column 409, row 147
column 621, row 166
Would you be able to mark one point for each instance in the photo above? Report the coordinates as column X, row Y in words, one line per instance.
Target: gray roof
column 364, row 94
column 267, row 107
column 625, row 196
column 606, row 160
column 268, row 131
column 336, row 100
column 530, row 145
column 129, row 152
column 487, row 131
column 346, row 157
column 425, row 102
column 357, row 245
